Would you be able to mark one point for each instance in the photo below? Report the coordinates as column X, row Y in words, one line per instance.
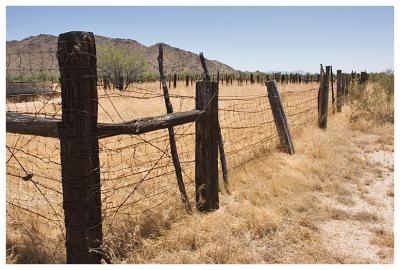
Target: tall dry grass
column 272, row 215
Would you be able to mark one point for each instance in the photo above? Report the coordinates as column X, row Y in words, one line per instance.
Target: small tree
column 119, row 66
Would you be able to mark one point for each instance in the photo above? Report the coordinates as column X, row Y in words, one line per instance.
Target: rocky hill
column 37, row 52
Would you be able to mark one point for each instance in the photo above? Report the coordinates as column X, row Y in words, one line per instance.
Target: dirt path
column 362, row 231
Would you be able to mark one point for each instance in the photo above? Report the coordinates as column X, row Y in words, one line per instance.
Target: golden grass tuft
column 26, row 243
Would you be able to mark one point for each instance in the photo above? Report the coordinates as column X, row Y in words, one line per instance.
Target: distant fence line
column 79, row 164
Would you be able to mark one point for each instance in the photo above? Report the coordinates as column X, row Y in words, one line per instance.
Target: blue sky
column 246, row 38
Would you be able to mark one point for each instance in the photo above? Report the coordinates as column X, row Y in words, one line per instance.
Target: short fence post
column 323, row 98
column 279, row 117
column 339, row 91
column 206, row 170
column 79, row 147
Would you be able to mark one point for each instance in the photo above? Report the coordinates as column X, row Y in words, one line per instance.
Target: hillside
column 175, row 60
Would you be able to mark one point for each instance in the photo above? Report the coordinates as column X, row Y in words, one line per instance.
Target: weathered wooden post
column 187, row 80
column 363, row 77
column 206, row 170
column 346, row 84
column 172, row 141
column 323, row 98
column 280, row 119
column 339, row 90
column 220, row 139
column 79, row 147
column 333, row 92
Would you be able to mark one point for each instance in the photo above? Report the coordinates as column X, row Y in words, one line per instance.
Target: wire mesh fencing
column 33, row 165
column 136, row 170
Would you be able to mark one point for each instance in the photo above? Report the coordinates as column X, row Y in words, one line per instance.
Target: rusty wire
column 137, row 173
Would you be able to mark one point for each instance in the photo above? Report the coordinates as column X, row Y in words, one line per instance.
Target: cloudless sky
column 246, row 38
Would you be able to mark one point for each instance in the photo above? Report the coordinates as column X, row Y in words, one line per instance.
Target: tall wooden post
column 280, row 119
column 323, row 98
column 333, row 92
column 206, row 170
column 79, row 147
column 339, row 91
column 172, row 141
column 346, row 80
column 174, row 80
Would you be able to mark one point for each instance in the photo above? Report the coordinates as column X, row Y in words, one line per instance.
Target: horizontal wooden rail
column 30, row 125
column 46, row 127
column 147, row 124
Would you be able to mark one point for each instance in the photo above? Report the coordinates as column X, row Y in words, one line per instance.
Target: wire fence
column 137, row 172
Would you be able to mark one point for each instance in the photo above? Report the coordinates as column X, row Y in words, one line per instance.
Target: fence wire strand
column 136, row 171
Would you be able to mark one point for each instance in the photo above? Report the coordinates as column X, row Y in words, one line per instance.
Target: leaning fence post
column 339, row 90
column 323, row 98
column 206, row 170
column 80, row 168
column 279, row 117
column 172, row 141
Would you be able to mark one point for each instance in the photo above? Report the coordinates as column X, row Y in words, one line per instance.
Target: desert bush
column 119, row 66
column 373, row 100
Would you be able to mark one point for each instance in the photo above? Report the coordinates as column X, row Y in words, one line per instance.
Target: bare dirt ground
column 368, row 236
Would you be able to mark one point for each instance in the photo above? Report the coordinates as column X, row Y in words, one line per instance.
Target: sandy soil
column 371, row 204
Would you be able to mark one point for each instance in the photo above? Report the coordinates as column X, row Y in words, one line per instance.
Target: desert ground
column 330, row 202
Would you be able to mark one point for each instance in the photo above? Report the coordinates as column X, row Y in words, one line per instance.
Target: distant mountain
column 175, row 60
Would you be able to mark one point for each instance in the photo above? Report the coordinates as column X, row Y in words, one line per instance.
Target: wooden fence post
column 172, row 141
column 323, row 98
column 339, row 91
column 79, row 147
column 279, row 117
column 346, row 85
column 174, row 80
column 206, row 170
column 187, row 80
column 333, row 92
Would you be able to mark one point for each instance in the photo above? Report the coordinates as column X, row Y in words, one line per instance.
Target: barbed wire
column 136, row 171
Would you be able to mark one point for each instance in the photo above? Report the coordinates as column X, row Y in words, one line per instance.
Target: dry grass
column 25, row 243
column 272, row 216
column 385, row 240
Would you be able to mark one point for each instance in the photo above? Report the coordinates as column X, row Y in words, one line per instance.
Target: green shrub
column 374, row 100
column 119, row 65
